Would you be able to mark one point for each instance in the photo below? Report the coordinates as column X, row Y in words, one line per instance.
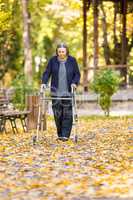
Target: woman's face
column 62, row 53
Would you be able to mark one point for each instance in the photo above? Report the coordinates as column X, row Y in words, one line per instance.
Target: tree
column 96, row 44
column 10, row 37
column 105, row 83
column 26, row 39
column 117, row 53
column 105, row 45
column 86, row 6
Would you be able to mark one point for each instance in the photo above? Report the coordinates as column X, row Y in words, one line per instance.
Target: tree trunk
column 116, row 51
column 115, row 19
column 95, row 14
column 105, row 39
column 85, row 70
column 124, row 41
column 26, row 41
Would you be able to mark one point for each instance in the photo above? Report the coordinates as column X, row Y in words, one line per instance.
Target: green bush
column 21, row 89
column 106, row 83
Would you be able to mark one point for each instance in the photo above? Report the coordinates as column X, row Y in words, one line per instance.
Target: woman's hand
column 74, row 85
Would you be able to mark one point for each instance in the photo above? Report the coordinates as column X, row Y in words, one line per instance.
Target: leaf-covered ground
column 99, row 166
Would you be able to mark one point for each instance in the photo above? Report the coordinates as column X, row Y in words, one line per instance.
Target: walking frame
column 42, row 111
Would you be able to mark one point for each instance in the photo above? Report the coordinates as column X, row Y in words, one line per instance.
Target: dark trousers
column 62, row 110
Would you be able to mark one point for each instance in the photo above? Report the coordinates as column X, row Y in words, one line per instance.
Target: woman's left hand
column 74, row 85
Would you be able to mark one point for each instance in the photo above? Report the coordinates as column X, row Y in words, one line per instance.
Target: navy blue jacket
column 52, row 70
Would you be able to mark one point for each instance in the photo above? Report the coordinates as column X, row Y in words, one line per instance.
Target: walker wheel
column 76, row 138
column 34, row 139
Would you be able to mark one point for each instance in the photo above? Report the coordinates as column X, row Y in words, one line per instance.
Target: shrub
column 21, row 89
column 106, row 83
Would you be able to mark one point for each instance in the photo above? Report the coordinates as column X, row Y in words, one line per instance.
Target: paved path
column 122, row 104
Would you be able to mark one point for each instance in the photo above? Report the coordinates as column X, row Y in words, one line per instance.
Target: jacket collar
column 57, row 60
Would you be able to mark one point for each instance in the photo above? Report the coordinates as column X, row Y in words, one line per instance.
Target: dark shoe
column 59, row 138
column 64, row 139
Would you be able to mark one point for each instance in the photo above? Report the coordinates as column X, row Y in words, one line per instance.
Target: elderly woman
column 64, row 72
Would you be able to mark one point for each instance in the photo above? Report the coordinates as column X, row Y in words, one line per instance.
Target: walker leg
column 76, row 139
column 36, row 137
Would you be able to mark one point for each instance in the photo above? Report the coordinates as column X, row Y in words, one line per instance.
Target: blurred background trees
column 10, row 39
column 97, row 33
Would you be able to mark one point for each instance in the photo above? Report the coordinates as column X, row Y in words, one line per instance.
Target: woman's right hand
column 43, row 87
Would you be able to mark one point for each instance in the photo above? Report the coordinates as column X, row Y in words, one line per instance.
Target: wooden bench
column 11, row 115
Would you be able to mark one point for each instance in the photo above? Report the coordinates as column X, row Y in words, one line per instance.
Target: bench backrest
column 4, row 100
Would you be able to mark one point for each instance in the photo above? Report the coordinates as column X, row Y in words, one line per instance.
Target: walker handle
column 73, row 89
column 43, row 88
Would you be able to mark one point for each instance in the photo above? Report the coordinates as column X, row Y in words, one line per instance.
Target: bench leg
column 13, row 125
column 23, row 122
column 3, row 124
